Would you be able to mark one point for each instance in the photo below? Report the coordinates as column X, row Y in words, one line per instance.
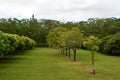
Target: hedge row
column 9, row 43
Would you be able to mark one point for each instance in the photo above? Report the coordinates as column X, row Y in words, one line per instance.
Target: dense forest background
column 103, row 28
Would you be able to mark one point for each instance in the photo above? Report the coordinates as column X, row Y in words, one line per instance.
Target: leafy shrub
column 25, row 43
column 13, row 42
column 9, row 43
column 4, row 44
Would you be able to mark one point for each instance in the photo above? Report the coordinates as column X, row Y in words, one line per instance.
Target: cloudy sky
column 65, row 10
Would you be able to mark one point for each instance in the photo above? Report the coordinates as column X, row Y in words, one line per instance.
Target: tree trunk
column 92, row 60
column 74, row 53
column 66, row 51
column 69, row 52
column 63, row 51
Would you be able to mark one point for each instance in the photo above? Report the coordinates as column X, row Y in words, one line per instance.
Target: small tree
column 56, row 37
column 74, row 40
column 63, row 38
column 91, row 43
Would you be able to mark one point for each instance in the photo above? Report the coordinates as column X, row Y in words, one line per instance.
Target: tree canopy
column 39, row 29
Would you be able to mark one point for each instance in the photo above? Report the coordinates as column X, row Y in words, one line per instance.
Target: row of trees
column 9, row 43
column 65, row 39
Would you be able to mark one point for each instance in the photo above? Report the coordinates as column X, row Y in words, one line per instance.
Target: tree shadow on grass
column 10, row 59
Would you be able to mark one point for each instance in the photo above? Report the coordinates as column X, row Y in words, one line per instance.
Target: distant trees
column 100, row 27
column 111, row 44
column 39, row 29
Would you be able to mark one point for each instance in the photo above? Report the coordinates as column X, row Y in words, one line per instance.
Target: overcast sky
column 65, row 10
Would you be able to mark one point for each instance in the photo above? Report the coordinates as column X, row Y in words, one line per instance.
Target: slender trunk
column 92, row 60
column 74, row 53
column 63, row 51
column 69, row 52
column 66, row 51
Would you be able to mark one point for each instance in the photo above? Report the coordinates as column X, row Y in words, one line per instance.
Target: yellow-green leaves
column 9, row 43
column 61, row 37
column 74, row 37
column 92, row 43
column 56, row 37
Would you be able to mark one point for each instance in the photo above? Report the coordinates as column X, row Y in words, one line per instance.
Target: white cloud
column 60, row 9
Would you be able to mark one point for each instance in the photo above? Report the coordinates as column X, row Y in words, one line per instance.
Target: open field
column 48, row 64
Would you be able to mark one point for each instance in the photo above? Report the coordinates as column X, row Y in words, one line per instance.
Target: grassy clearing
column 107, row 67
column 48, row 64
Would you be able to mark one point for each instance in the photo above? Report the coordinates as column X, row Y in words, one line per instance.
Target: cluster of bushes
column 111, row 45
column 9, row 43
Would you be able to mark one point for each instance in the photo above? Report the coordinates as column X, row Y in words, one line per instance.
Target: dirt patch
column 83, row 66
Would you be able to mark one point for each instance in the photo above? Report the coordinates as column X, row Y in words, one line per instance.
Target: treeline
column 32, row 28
column 38, row 29
column 110, row 44
column 9, row 43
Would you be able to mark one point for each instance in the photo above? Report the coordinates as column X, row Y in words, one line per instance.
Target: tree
column 112, row 46
column 103, row 43
column 91, row 43
column 74, row 39
column 56, row 36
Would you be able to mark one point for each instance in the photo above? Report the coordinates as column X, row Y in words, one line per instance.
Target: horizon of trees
column 39, row 29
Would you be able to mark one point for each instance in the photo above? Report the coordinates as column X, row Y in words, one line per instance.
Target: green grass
column 48, row 64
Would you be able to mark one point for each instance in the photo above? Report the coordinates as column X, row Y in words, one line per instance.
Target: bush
column 4, row 44
column 9, row 43
column 25, row 43
column 13, row 42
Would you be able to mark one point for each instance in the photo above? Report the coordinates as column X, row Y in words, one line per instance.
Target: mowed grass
column 49, row 64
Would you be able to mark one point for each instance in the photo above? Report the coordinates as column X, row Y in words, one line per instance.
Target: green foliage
column 74, row 38
column 39, row 29
column 102, row 45
column 25, row 43
column 91, row 43
column 13, row 42
column 61, row 37
column 112, row 45
column 56, row 36
column 4, row 44
column 9, row 43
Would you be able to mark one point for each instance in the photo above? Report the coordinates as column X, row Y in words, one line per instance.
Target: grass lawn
column 48, row 64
